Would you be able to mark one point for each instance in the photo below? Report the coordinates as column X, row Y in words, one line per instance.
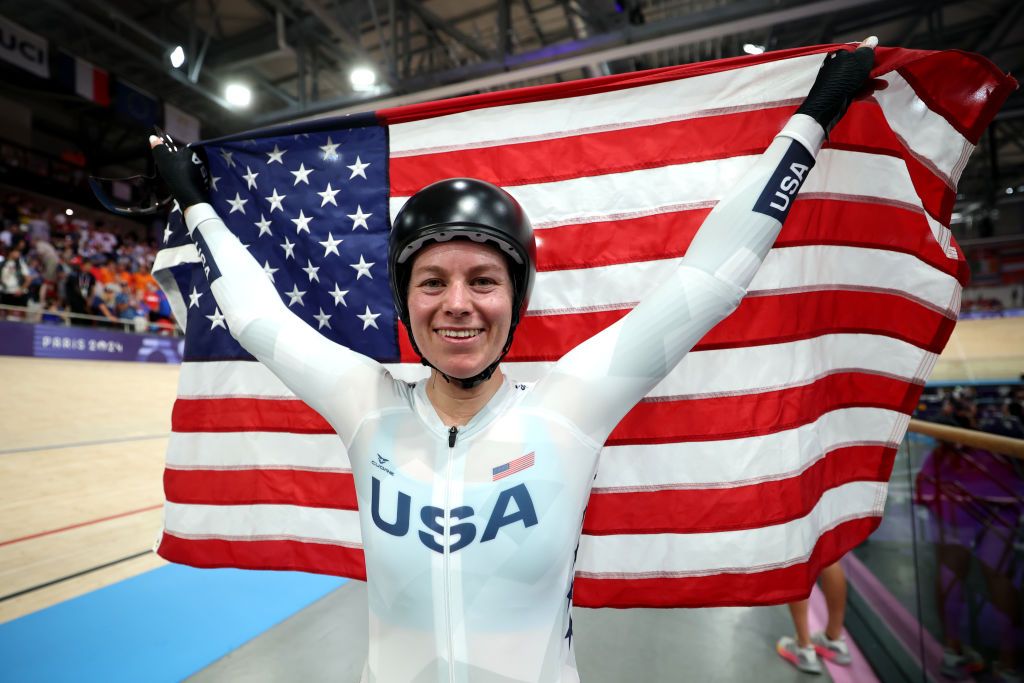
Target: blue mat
column 163, row 625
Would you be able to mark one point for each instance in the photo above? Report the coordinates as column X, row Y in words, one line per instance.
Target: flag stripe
column 261, row 486
column 656, row 421
column 281, row 555
column 739, row 507
column 756, row 549
column 701, row 373
column 768, row 587
column 651, row 421
column 749, row 460
column 263, row 522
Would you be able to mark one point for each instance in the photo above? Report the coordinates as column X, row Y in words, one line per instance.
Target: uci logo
column 513, row 505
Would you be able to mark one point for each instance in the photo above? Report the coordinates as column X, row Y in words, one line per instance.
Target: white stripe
column 838, row 173
column 791, row 268
column 750, row 460
column 780, row 545
column 263, row 523
column 789, row 79
column 248, row 450
column 926, row 134
column 251, row 379
column 717, row 372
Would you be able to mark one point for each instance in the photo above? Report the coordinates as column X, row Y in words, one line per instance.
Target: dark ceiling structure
column 297, row 55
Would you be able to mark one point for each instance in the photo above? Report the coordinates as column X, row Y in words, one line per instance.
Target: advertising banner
column 86, row 343
column 23, row 48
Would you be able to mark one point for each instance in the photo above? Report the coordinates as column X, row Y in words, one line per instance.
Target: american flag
column 761, row 458
column 512, row 466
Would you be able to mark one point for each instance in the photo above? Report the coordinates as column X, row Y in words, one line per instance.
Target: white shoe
column 832, row 650
column 803, row 658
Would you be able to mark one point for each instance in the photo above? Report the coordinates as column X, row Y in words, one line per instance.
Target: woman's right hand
column 182, row 169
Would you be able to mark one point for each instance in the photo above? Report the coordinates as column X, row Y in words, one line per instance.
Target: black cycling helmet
column 463, row 208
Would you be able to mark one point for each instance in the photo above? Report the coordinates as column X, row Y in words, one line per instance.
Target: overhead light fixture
column 362, row 78
column 70, row 212
column 238, row 95
column 752, row 49
column 177, row 56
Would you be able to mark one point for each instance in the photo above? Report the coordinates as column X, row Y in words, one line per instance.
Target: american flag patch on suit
column 761, row 458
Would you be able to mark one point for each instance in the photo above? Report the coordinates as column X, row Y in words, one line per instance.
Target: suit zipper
column 453, row 433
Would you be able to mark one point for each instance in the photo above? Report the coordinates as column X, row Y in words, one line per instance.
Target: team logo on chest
column 383, row 464
column 513, row 506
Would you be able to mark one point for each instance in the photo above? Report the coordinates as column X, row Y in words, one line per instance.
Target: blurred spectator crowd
column 996, row 409
column 59, row 269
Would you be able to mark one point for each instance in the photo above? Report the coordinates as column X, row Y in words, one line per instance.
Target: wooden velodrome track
column 81, row 457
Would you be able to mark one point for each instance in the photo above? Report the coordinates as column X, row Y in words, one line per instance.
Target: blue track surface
column 163, row 625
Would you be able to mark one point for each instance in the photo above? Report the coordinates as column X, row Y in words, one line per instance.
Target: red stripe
column 246, row 415
column 318, row 558
column 771, row 587
column 261, row 487
column 810, row 222
column 100, row 87
column 740, row 507
column 599, row 153
column 769, row 412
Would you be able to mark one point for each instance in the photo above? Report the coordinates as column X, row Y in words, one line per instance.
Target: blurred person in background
column 15, row 279
column 806, row 648
column 103, row 302
column 78, row 287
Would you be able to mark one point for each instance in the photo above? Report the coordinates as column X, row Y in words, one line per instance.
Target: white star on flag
column 269, row 271
column 289, row 248
column 302, row 222
column 226, row 155
column 213, row 182
column 331, row 245
column 311, row 271
column 301, row 175
column 217, row 319
column 322, row 320
column 276, row 155
column 276, row 201
column 295, row 295
column 250, row 178
column 328, row 196
column 358, row 168
column 264, row 225
column 339, row 295
column 193, row 298
column 167, row 233
column 369, row 319
column 362, row 268
column 359, row 218
column 330, row 150
column 237, row 204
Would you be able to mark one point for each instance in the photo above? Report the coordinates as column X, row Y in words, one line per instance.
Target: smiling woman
column 471, row 488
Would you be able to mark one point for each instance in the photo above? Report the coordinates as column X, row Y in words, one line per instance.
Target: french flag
column 81, row 77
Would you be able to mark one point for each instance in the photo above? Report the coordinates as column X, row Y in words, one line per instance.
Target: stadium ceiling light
column 362, row 78
column 70, row 212
column 752, row 49
column 177, row 56
column 237, row 95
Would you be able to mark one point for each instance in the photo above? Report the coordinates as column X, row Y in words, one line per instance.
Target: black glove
column 183, row 170
column 840, row 77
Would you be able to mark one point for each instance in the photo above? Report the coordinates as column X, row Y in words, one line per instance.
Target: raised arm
column 598, row 382
column 340, row 384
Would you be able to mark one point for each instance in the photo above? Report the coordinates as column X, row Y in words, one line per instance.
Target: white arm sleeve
column 340, row 384
column 599, row 381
